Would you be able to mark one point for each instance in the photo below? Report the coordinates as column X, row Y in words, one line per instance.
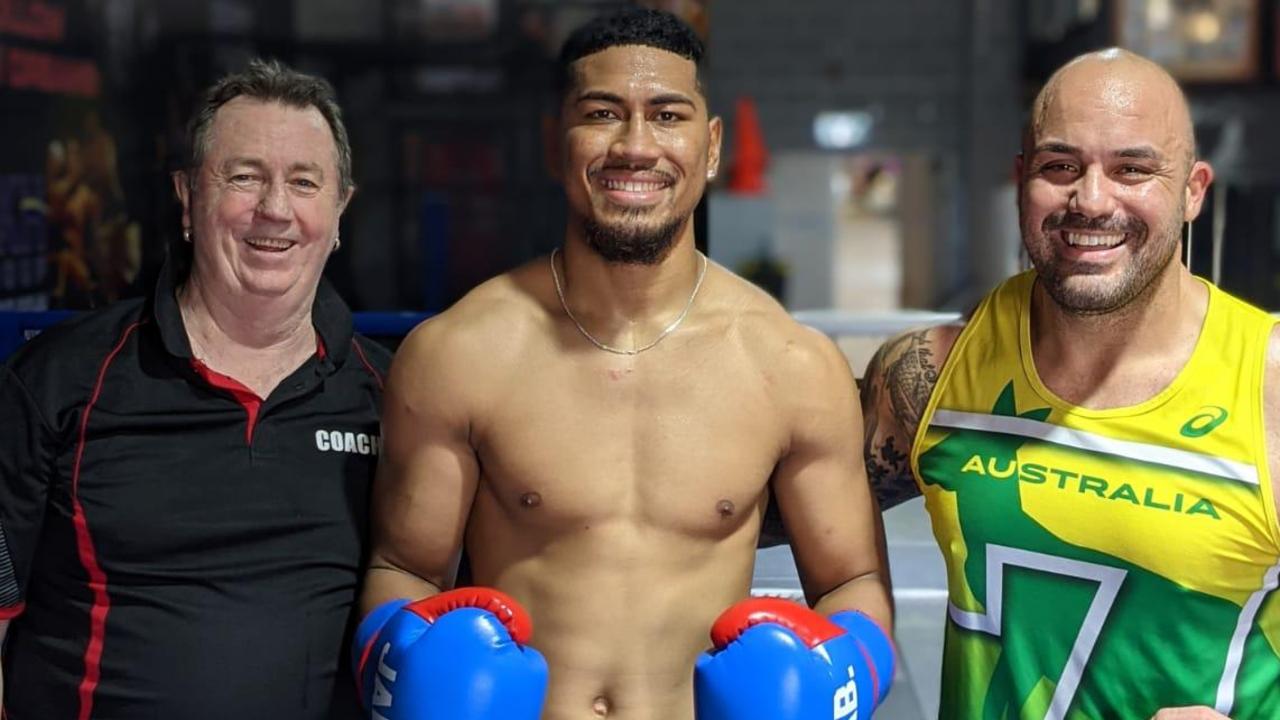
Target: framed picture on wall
column 1197, row 40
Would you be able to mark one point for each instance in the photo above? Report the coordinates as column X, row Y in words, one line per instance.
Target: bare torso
column 619, row 498
column 621, row 501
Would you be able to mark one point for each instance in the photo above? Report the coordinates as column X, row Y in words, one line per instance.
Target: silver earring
column 186, row 234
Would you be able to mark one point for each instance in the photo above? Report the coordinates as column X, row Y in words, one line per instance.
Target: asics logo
column 1204, row 422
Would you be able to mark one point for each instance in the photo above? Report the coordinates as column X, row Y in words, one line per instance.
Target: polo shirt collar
column 329, row 314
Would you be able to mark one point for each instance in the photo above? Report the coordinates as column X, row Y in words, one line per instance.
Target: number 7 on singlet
column 1108, row 579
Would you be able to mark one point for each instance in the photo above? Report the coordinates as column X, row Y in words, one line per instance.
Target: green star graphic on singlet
column 1014, row 672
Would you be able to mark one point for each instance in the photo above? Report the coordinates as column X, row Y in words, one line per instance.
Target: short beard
column 632, row 242
column 1135, row 278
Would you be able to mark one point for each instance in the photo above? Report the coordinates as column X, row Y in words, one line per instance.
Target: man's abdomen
column 621, row 612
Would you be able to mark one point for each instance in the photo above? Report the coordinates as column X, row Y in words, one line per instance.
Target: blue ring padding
column 18, row 326
column 387, row 324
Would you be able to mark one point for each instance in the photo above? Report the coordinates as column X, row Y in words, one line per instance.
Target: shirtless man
column 601, row 430
column 1090, row 442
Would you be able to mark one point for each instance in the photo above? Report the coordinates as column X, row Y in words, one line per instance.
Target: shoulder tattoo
column 899, row 380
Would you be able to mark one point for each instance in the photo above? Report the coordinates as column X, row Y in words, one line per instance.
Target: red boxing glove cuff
column 812, row 628
column 501, row 605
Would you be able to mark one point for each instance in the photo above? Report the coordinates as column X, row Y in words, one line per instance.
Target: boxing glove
column 778, row 660
column 459, row 655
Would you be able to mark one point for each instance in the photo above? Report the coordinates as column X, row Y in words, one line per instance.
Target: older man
column 1097, row 444
column 602, row 429
column 182, row 514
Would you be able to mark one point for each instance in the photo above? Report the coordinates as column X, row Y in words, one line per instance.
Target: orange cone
column 750, row 156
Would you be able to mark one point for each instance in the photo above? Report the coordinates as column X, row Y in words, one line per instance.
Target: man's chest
column 195, row 477
column 684, row 448
column 1171, row 489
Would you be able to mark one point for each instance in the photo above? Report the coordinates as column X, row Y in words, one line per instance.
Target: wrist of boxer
column 461, row 654
column 882, row 657
column 778, row 660
column 367, row 634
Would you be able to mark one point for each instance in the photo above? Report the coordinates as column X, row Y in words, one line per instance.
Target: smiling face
column 1107, row 181
column 266, row 201
column 636, row 150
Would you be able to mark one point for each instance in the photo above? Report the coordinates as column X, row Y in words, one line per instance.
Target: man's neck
column 228, row 324
column 1107, row 357
column 622, row 298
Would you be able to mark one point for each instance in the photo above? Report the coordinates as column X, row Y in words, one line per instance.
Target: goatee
column 632, row 241
column 1073, row 286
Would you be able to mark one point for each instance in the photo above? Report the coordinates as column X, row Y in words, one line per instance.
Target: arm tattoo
column 903, row 372
column 910, row 380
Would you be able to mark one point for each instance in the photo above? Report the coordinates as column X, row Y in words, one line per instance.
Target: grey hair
column 270, row 81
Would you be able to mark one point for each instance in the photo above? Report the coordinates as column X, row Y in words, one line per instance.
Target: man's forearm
column 867, row 594
column 384, row 582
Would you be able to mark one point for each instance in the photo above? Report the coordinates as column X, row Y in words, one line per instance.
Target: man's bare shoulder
column 1271, row 396
column 774, row 341
column 502, row 310
column 903, row 372
column 1271, row 391
column 895, row 390
column 1273, row 353
column 1271, row 408
column 926, row 347
column 483, row 333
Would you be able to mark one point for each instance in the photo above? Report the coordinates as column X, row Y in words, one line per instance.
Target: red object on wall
column 750, row 156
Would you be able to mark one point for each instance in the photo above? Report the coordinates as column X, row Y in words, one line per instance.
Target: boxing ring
column 18, row 326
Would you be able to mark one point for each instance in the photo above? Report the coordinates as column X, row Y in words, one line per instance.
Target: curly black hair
column 628, row 26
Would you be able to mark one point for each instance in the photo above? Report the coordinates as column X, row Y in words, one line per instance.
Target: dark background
column 445, row 102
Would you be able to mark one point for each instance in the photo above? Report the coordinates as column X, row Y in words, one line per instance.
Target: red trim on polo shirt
column 84, row 546
column 247, row 398
column 364, row 360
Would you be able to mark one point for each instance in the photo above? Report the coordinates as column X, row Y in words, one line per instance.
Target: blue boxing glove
column 778, row 660
column 459, row 655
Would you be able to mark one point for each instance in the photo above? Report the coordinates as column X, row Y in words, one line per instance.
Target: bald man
column 1097, row 442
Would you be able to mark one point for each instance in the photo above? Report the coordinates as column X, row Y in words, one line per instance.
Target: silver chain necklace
column 620, row 351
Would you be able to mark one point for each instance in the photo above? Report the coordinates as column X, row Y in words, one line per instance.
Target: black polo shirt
column 170, row 545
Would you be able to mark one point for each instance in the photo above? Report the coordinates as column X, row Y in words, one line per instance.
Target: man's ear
column 182, row 188
column 716, row 127
column 1198, row 182
column 551, row 145
column 351, row 192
